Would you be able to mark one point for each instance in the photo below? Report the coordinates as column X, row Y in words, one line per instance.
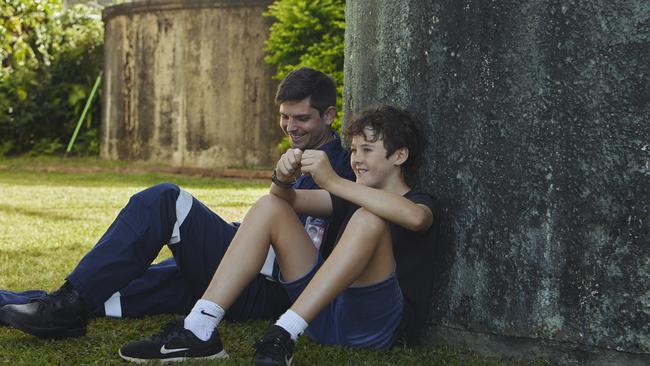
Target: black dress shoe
column 2, row 319
column 61, row 314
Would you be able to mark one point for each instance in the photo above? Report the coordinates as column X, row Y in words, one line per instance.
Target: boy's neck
column 395, row 184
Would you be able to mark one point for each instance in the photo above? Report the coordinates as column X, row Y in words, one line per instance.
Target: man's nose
column 291, row 125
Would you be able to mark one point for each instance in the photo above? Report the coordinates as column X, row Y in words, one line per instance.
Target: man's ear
column 329, row 115
column 401, row 155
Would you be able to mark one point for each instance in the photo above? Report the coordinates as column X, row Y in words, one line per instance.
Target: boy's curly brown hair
column 397, row 128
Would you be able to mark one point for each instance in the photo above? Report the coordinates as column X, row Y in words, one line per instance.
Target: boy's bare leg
column 270, row 220
column 363, row 256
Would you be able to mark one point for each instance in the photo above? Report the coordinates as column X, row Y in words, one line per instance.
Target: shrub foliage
column 49, row 59
column 308, row 33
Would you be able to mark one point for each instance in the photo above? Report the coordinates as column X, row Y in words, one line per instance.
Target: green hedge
column 49, row 61
column 308, row 33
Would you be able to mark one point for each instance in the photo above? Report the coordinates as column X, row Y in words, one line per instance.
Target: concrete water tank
column 185, row 83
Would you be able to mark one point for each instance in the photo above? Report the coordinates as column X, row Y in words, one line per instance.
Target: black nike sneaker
column 275, row 348
column 173, row 343
column 60, row 314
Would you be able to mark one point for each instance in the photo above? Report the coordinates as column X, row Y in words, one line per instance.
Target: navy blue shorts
column 360, row 316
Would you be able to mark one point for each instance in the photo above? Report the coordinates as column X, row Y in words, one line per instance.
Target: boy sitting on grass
column 375, row 280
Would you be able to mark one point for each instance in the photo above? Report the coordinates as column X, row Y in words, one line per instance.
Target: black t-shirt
column 413, row 253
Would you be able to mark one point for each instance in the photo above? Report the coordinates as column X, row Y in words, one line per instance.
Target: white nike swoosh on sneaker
column 166, row 351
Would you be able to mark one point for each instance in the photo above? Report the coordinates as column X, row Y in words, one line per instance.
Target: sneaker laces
column 271, row 346
column 169, row 331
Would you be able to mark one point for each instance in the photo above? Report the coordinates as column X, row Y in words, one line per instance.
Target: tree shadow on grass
column 36, row 213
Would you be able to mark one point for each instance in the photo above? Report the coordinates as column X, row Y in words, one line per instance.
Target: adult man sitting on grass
column 116, row 277
column 355, row 292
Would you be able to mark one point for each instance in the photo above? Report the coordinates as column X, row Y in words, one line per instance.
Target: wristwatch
column 279, row 183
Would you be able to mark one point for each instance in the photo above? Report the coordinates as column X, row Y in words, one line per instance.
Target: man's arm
column 315, row 202
column 389, row 206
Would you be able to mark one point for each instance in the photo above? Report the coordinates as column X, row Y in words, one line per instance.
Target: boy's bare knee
column 271, row 203
column 367, row 221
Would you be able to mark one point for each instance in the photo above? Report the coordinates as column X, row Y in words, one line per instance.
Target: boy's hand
column 316, row 164
column 289, row 165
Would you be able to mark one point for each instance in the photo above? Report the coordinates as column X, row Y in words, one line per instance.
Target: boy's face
column 304, row 125
column 369, row 162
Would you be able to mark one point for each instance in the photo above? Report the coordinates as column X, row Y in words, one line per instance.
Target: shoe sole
column 54, row 333
column 219, row 355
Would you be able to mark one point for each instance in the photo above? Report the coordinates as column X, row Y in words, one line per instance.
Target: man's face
column 304, row 125
column 369, row 162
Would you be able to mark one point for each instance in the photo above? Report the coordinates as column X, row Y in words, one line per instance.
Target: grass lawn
column 49, row 219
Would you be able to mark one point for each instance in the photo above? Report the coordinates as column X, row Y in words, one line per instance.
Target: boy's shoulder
column 421, row 197
column 342, row 208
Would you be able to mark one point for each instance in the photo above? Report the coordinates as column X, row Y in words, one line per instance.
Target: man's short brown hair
column 306, row 82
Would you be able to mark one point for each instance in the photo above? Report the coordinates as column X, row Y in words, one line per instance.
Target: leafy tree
column 308, row 33
column 49, row 59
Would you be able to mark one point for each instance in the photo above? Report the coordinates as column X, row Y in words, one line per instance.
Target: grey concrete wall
column 185, row 83
column 538, row 116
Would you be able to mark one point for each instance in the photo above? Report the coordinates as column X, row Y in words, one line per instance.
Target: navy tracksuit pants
column 117, row 278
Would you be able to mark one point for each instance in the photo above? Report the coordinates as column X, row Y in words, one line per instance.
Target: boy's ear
column 401, row 155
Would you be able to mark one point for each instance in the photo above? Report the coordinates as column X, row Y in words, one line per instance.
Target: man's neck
column 327, row 139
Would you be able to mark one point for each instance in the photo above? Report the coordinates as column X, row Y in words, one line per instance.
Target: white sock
column 204, row 318
column 292, row 323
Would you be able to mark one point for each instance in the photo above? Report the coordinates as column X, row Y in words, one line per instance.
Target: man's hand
column 316, row 164
column 289, row 165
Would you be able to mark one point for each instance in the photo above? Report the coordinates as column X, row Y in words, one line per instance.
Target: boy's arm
column 390, row 206
column 315, row 202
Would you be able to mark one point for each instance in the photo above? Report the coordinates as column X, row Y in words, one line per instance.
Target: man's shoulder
column 334, row 148
column 339, row 157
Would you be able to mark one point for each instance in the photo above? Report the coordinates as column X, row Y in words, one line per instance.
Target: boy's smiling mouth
column 360, row 170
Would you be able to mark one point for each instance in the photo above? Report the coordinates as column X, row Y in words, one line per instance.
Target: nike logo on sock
column 204, row 313
column 165, row 351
